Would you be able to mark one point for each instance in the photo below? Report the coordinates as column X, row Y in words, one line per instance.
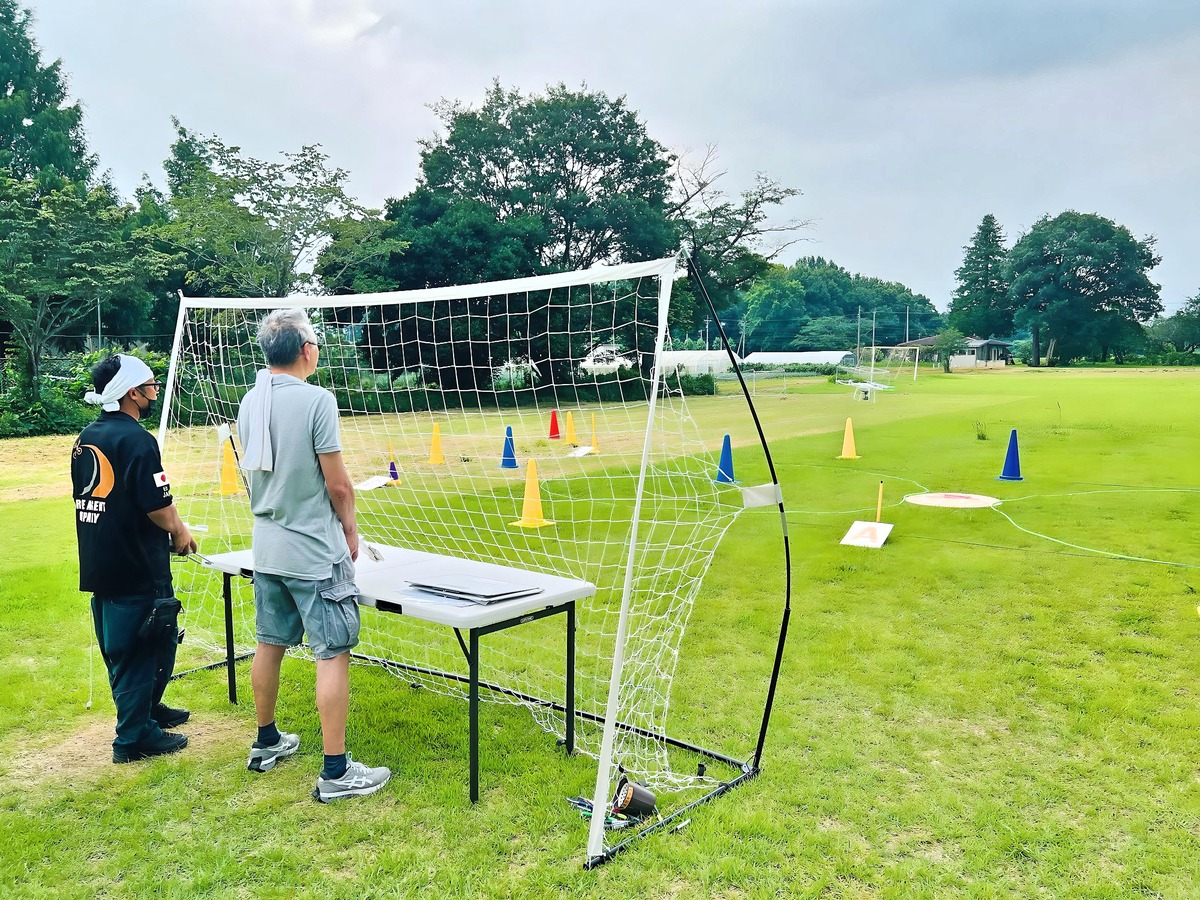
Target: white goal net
column 879, row 369
column 428, row 384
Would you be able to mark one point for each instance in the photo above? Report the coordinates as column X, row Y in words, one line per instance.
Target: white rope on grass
column 1106, row 553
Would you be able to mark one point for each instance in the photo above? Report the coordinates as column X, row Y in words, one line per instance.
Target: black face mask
column 145, row 413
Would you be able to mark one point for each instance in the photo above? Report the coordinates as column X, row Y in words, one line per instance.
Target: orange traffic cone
column 554, row 435
column 570, row 431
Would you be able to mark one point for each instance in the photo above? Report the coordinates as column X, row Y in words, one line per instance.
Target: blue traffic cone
column 1012, row 461
column 725, row 466
column 509, row 458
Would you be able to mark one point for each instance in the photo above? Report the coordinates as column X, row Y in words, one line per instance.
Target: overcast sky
column 902, row 122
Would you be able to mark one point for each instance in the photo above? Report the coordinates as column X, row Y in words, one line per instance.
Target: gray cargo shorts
column 286, row 609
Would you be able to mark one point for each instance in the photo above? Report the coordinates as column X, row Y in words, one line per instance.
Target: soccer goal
column 459, row 407
column 879, row 369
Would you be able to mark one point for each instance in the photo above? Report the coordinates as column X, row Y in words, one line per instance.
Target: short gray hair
column 282, row 333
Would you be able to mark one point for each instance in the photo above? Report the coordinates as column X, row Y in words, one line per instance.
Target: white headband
column 133, row 373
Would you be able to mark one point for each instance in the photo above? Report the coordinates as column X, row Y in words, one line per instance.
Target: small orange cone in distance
column 436, row 458
column 230, row 483
column 554, row 435
column 569, row 436
column 848, row 451
column 531, row 509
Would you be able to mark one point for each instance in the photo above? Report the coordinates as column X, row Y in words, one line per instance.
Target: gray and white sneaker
column 357, row 781
column 263, row 759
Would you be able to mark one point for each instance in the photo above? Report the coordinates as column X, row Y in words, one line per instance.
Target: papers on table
column 474, row 588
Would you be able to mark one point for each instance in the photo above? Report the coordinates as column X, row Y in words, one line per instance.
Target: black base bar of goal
column 249, row 654
column 660, row 824
column 554, row 705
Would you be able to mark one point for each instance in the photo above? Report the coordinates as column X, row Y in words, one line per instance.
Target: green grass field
column 1000, row 702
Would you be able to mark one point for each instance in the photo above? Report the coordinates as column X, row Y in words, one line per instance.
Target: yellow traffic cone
column 595, row 437
column 570, row 431
column 531, row 509
column 435, row 447
column 848, row 451
column 230, row 483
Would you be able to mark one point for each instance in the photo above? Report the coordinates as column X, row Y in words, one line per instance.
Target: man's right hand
column 352, row 543
column 182, row 542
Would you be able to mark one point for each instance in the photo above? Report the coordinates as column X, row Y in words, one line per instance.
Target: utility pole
column 906, row 324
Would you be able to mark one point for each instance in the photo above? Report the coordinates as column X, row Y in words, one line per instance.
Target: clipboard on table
column 474, row 588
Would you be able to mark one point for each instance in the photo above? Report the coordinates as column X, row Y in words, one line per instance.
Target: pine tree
column 41, row 135
column 981, row 305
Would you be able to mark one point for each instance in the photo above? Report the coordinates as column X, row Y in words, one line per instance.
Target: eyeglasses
column 314, row 343
column 153, row 384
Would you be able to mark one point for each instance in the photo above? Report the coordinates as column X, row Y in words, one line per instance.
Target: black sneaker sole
column 136, row 755
column 175, row 722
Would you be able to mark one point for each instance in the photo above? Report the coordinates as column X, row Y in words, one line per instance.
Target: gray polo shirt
column 296, row 531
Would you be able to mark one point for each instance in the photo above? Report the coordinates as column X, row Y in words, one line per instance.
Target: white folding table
column 384, row 584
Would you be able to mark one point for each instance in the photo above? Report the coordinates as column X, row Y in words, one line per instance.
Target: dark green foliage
column 59, row 408
column 577, row 164
column 815, row 305
column 41, row 134
column 982, row 305
column 1181, row 331
column 949, row 343
column 62, row 253
column 1081, row 283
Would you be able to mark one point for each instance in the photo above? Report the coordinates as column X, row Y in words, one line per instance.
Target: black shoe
column 169, row 717
column 167, row 742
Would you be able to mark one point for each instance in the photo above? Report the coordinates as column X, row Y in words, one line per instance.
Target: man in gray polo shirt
column 305, row 543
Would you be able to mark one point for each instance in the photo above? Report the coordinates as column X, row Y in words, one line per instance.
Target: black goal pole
column 694, row 270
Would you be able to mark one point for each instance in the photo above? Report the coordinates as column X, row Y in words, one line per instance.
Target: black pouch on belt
column 163, row 622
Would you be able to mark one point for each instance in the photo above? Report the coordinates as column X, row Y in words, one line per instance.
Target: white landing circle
column 963, row 501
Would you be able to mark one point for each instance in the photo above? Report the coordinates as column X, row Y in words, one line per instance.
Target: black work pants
column 139, row 664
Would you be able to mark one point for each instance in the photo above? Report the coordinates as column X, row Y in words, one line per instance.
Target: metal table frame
column 470, row 649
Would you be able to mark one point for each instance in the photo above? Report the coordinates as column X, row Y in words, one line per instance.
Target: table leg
column 570, row 702
column 473, row 728
column 231, row 673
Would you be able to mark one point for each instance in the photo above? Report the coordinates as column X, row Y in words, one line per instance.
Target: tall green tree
column 41, row 133
column 1181, row 331
column 246, row 227
column 576, row 163
column 982, row 304
column 732, row 242
column 949, row 343
column 1081, row 283
column 63, row 255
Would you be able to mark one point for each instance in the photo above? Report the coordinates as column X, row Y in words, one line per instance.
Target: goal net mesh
column 427, row 384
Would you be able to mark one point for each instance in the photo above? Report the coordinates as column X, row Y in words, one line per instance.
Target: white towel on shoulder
column 257, row 454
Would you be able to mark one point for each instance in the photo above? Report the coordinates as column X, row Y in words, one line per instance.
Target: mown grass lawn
column 1000, row 702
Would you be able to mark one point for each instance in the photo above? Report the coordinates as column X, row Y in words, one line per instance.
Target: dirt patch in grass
column 33, row 468
column 87, row 753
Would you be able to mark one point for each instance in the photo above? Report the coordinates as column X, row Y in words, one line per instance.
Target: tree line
column 523, row 184
column 1077, row 283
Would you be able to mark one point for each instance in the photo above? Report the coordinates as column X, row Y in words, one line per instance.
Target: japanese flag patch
column 160, row 480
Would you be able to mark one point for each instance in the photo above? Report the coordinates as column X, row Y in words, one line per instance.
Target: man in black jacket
column 127, row 526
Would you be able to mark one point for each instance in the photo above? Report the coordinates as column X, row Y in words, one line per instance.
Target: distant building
column 983, row 353
column 697, row 362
